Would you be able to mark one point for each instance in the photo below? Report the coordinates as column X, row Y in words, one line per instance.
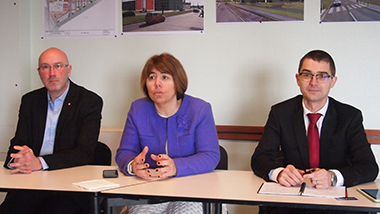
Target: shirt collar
column 322, row 111
column 63, row 95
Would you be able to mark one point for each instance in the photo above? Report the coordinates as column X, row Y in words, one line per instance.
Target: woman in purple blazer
column 168, row 133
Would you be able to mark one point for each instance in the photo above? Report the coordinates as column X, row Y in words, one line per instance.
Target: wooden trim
column 373, row 136
column 254, row 133
column 251, row 133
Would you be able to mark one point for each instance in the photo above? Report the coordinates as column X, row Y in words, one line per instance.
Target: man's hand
column 168, row 168
column 139, row 167
column 290, row 176
column 321, row 178
column 24, row 160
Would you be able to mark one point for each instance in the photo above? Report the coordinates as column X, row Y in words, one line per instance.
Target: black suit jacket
column 343, row 142
column 77, row 129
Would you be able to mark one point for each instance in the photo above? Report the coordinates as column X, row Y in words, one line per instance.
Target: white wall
column 240, row 68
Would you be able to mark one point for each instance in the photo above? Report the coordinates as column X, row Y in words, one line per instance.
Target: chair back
column 223, row 162
column 102, row 155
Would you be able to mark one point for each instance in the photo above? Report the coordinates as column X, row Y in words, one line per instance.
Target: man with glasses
column 333, row 151
column 58, row 127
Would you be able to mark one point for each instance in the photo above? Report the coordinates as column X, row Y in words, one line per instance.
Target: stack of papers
column 96, row 184
column 278, row 189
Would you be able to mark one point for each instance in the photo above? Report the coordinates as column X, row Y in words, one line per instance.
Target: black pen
column 310, row 171
column 303, row 185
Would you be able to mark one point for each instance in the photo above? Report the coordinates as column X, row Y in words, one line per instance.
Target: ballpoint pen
column 303, row 185
column 310, row 171
column 346, row 192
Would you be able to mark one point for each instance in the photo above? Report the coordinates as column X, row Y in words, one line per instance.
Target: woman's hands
column 140, row 168
column 168, row 168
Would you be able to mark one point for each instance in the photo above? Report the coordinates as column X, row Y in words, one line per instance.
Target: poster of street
column 79, row 18
column 259, row 10
column 350, row 10
column 162, row 16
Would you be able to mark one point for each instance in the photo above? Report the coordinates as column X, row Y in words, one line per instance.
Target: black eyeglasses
column 321, row 78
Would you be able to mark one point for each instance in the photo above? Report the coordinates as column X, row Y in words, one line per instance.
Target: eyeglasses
column 321, row 78
column 57, row 67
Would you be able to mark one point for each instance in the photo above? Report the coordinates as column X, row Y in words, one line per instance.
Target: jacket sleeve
column 362, row 166
column 129, row 145
column 264, row 158
column 23, row 135
column 207, row 153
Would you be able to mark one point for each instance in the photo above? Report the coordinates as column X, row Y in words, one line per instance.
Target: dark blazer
column 77, row 129
column 343, row 142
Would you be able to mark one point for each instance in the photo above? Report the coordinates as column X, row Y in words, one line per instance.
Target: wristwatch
column 130, row 169
column 334, row 179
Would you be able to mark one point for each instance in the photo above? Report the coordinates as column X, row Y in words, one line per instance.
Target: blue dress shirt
column 54, row 110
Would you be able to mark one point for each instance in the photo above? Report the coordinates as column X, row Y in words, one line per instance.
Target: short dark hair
column 319, row 55
column 165, row 63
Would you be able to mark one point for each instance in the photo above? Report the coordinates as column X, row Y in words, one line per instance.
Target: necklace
column 171, row 112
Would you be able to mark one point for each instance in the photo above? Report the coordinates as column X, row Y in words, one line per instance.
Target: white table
column 235, row 187
column 220, row 186
column 62, row 180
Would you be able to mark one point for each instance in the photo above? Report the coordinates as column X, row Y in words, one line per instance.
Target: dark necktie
column 313, row 140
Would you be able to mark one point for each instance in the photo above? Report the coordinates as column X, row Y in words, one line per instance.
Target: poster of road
column 162, row 16
column 259, row 10
column 79, row 18
column 350, row 10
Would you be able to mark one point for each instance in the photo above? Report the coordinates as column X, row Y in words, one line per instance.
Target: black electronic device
column 371, row 194
column 110, row 173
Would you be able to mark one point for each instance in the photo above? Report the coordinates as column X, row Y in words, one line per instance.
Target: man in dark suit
column 58, row 127
column 344, row 157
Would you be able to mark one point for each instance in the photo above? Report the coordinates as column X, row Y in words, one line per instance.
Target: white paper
column 278, row 189
column 331, row 192
column 96, row 184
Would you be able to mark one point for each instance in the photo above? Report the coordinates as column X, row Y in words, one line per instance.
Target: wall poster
column 162, row 16
column 259, row 10
column 79, row 18
column 350, row 10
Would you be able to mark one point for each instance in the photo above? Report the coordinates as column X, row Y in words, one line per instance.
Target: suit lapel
column 67, row 109
column 300, row 134
column 328, row 127
column 42, row 105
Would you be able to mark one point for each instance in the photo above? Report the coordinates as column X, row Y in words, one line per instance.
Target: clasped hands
column 290, row 176
column 24, row 160
column 140, row 168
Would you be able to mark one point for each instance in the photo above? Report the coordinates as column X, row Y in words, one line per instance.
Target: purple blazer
column 191, row 134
